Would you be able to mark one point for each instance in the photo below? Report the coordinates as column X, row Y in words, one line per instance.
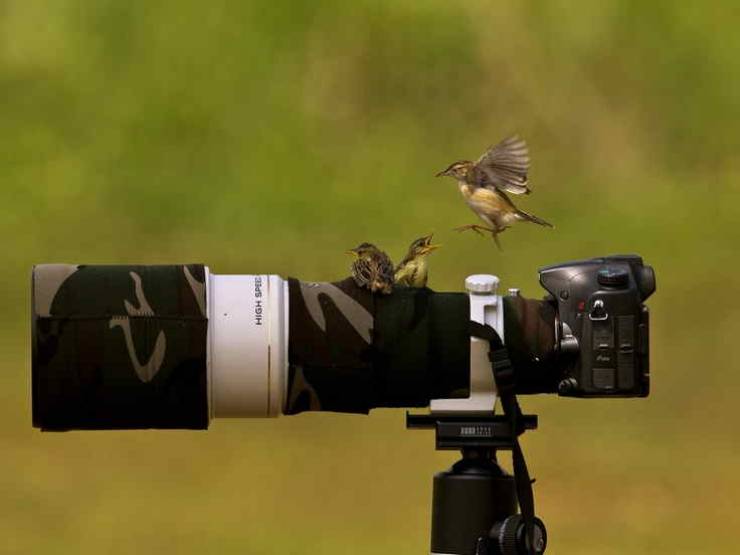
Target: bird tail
column 522, row 215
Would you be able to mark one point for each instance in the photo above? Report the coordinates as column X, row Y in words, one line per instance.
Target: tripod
column 474, row 506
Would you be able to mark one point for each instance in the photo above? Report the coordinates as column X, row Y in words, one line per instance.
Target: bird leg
column 479, row 230
column 475, row 227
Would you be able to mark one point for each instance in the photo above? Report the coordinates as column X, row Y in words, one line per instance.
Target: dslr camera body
column 602, row 325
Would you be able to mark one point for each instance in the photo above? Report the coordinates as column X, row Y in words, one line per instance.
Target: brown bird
column 372, row 269
column 484, row 184
column 413, row 270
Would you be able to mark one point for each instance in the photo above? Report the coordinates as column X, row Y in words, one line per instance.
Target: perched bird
column 372, row 268
column 412, row 271
column 484, row 184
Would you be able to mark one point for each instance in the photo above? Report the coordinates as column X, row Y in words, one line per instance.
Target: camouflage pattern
column 126, row 347
column 330, row 331
column 351, row 350
column 119, row 347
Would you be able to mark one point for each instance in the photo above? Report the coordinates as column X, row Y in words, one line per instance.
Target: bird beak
column 430, row 248
column 443, row 173
column 351, row 253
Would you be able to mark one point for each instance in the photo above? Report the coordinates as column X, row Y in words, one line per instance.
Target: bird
column 372, row 268
column 413, row 269
column 484, row 183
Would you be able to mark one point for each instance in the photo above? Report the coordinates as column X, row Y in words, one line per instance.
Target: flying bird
column 413, row 269
column 484, row 183
column 372, row 269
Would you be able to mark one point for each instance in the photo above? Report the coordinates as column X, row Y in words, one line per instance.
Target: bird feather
column 504, row 166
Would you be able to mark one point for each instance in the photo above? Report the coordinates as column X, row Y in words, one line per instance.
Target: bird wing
column 385, row 267
column 405, row 272
column 361, row 272
column 505, row 166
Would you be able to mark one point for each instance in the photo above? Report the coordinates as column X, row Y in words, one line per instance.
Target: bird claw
column 474, row 227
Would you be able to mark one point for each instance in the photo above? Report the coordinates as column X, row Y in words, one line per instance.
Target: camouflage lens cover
column 119, row 347
column 529, row 327
column 351, row 350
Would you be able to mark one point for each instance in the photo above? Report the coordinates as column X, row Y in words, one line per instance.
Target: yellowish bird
column 372, row 268
column 413, row 270
column 484, row 184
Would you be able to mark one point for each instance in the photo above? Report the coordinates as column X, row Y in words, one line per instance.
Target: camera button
column 604, row 378
column 602, row 333
column 626, row 327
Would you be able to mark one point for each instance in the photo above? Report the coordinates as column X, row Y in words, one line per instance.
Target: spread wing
column 505, row 166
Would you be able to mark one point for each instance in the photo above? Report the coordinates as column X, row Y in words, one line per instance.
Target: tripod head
column 474, row 506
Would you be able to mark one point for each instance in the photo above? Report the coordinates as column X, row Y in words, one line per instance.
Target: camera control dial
column 613, row 277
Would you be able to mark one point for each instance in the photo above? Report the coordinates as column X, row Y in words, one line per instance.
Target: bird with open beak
column 483, row 184
column 413, row 270
column 372, row 268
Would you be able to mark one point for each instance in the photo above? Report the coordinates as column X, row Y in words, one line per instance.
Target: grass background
column 271, row 136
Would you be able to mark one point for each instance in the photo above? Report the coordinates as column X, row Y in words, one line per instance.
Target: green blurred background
column 270, row 137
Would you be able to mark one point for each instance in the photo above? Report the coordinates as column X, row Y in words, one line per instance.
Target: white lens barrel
column 248, row 345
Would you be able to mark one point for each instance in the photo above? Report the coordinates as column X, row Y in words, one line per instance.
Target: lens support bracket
column 486, row 307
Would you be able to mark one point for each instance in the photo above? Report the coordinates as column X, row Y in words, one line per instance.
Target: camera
column 128, row 347
column 175, row 346
column 602, row 324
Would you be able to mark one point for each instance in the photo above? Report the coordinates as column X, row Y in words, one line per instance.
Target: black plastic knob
column 567, row 386
column 511, row 536
column 508, row 538
column 613, row 277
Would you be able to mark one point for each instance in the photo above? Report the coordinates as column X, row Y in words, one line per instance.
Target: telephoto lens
column 174, row 346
